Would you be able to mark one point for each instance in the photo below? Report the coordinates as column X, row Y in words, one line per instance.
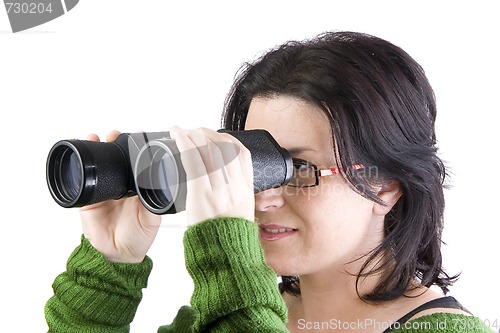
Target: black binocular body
column 81, row 172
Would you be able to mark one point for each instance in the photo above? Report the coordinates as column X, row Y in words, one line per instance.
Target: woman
column 355, row 235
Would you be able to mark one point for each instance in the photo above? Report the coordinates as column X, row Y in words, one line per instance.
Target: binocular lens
column 71, row 174
column 161, row 172
column 67, row 178
column 158, row 177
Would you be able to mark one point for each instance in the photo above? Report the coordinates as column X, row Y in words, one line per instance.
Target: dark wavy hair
column 382, row 111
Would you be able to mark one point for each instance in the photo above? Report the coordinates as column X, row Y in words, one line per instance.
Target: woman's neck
column 334, row 295
column 330, row 298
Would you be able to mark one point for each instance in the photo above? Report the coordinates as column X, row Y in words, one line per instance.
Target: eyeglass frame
column 319, row 172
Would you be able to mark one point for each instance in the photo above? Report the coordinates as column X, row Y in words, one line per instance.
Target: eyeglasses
column 306, row 174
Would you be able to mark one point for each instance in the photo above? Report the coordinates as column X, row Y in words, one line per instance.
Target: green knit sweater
column 234, row 289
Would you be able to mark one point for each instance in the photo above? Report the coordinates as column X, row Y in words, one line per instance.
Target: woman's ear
column 389, row 193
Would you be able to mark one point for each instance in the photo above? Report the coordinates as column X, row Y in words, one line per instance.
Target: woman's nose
column 269, row 199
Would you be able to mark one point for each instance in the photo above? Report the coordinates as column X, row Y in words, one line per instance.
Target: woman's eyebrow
column 298, row 150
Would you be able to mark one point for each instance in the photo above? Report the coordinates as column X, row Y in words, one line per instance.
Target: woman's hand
column 122, row 230
column 219, row 175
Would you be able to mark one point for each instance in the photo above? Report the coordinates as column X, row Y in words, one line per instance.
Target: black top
column 448, row 302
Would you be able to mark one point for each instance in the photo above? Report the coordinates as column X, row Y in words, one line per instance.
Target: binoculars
column 81, row 172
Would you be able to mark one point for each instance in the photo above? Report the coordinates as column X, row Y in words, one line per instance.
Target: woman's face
column 309, row 230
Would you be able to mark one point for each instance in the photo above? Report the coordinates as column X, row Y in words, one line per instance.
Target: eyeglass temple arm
column 334, row 171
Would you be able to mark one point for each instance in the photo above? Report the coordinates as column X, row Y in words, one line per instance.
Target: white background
column 148, row 65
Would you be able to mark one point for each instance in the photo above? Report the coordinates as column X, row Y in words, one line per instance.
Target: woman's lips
column 273, row 232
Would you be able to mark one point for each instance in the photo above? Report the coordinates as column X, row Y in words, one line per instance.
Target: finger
column 235, row 190
column 191, row 159
column 213, row 166
column 93, row 137
column 219, row 152
column 112, row 135
column 240, row 169
column 173, row 132
column 216, row 151
column 236, row 162
column 228, row 145
column 237, row 158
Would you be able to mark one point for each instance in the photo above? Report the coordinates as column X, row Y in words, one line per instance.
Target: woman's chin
column 281, row 267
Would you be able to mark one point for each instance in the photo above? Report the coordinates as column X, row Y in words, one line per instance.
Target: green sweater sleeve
column 94, row 295
column 234, row 288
